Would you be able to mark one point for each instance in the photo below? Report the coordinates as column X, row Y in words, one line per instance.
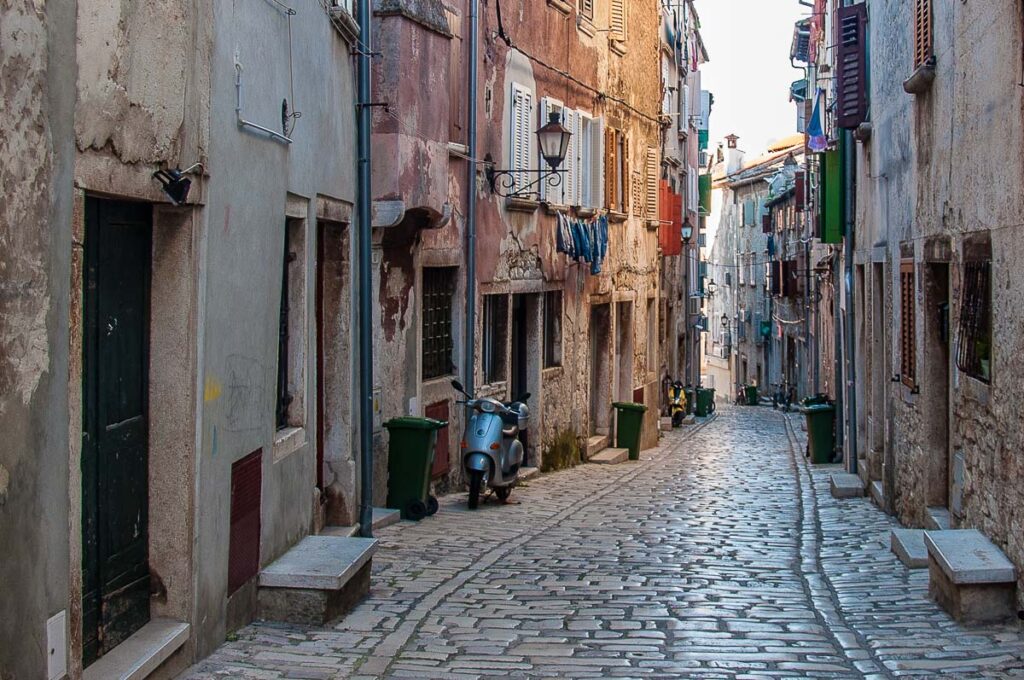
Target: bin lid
column 628, row 406
column 415, row 423
column 818, row 408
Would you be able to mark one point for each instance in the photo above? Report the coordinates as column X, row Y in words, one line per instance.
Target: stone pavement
column 720, row 554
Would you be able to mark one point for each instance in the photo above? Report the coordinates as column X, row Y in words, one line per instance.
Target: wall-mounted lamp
column 553, row 139
column 175, row 184
column 687, row 230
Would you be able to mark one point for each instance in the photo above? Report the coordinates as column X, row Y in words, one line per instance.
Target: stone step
column 938, row 519
column 908, row 545
column 846, row 485
column 877, row 494
column 610, row 456
column 142, row 653
column 318, row 580
column 528, row 473
column 597, row 443
column 970, row 576
column 382, row 517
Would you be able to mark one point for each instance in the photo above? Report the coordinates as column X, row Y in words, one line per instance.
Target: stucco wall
column 37, row 76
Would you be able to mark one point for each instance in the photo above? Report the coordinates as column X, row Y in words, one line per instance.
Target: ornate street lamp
column 687, row 230
column 553, row 139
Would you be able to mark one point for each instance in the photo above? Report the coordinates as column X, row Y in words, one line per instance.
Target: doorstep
column 610, row 457
column 528, row 473
column 970, row 576
column 846, row 485
column 382, row 517
column 908, row 545
column 596, row 444
column 142, row 653
column 938, row 519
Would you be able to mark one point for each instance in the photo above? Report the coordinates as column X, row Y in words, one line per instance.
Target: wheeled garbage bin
column 410, row 458
column 628, row 426
column 705, row 402
column 751, row 393
column 821, row 440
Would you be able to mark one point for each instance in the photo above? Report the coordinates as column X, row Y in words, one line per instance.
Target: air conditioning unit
column 696, row 304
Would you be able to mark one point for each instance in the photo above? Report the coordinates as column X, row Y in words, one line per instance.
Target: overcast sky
column 749, row 72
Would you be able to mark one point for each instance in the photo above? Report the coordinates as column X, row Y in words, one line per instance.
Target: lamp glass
column 554, row 140
column 687, row 231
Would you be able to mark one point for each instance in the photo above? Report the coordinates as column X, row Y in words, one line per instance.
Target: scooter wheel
column 503, row 492
column 432, row 506
column 416, row 510
column 476, row 481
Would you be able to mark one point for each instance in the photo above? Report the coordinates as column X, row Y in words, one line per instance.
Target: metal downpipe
column 365, row 307
column 469, row 369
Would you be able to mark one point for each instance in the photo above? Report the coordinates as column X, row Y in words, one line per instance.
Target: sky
column 749, row 72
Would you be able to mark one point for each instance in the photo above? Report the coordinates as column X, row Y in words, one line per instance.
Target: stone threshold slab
column 142, row 653
column 319, row 563
column 610, row 457
column 908, row 545
column 846, row 485
column 968, row 557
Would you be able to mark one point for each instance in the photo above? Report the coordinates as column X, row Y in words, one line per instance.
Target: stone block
column 610, row 457
column 385, row 517
column 938, row 519
column 970, row 577
column 908, row 545
column 311, row 607
column 319, row 563
column 877, row 494
column 846, row 485
column 596, row 444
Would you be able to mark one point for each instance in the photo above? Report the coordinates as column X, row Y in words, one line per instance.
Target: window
column 586, row 9
column 752, row 272
column 923, row 39
column 974, row 353
column 741, row 269
column 651, row 183
column 590, row 161
column 908, row 324
column 618, row 20
column 748, row 212
column 552, row 328
column 521, row 147
column 495, row 337
column 569, row 190
column 291, row 347
column 438, row 289
column 616, row 163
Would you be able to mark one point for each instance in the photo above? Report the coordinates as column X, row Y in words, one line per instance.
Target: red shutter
column 442, row 454
column 801, row 197
column 244, row 536
column 851, row 58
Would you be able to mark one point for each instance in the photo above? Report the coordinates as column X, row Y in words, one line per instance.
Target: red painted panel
column 244, row 540
column 442, row 454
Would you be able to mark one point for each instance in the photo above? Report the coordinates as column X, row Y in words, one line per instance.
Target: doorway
column 600, row 369
column 624, row 350
column 115, row 427
column 525, row 364
column 936, row 382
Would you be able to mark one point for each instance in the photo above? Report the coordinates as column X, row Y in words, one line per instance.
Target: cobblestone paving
column 720, row 554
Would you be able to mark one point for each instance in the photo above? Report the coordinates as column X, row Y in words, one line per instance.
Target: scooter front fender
column 479, row 462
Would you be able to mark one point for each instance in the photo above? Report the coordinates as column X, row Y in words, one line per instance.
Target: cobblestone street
column 720, row 554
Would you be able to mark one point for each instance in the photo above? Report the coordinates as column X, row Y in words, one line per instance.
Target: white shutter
column 571, row 176
column 618, row 20
column 685, row 113
column 597, row 168
column 652, row 183
column 545, row 111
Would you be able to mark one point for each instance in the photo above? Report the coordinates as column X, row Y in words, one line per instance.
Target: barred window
column 438, row 288
column 974, row 353
column 908, row 324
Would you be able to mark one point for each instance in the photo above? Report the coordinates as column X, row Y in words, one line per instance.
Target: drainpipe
column 363, row 109
column 850, row 163
column 469, row 370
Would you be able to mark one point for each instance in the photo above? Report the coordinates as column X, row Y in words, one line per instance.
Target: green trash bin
column 691, row 400
column 821, row 440
column 628, row 426
column 410, row 458
column 705, row 402
column 751, row 392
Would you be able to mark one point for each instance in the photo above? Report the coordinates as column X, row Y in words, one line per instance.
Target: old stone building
column 930, row 340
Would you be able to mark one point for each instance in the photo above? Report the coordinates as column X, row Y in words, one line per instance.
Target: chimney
column 734, row 156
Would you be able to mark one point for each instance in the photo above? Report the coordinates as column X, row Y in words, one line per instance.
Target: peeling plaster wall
column 37, row 76
column 937, row 168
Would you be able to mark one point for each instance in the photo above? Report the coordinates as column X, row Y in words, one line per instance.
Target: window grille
column 908, row 325
column 923, row 38
column 974, row 353
column 438, row 288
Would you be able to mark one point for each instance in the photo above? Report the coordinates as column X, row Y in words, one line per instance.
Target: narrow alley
column 721, row 554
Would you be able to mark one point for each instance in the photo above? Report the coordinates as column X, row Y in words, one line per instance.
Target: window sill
column 523, row 205
column 617, row 217
column 586, row 26
column 561, row 6
column 922, row 78
column 586, row 213
column 287, row 441
column 617, row 46
column 346, row 25
column 553, row 372
column 556, row 208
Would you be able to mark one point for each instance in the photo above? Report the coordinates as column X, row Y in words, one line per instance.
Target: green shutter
column 832, row 197
column 705, row 194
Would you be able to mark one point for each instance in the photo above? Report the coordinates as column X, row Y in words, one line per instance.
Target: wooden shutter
column 610, row 168
column 597, row 163
column 624, row 171
column 586, row 8
column 652, row 183
column 618, row 20
column 244, row 532
column 571, row 183
column 923, row 40
column 851, row 57
column 908, row 324
column 520, row 119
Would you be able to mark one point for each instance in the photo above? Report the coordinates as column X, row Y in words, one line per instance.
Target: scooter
column 491, row 451
column 677, row 403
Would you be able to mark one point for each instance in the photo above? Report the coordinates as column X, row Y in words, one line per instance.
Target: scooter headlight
column 487, row 406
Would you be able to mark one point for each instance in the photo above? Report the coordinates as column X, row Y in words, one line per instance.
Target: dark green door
column 115, row 512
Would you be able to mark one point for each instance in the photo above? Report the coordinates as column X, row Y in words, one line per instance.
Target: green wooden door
column 115, row 512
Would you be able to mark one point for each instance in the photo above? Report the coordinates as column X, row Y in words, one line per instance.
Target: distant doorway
column 525, row 364
column 600, row 369
column 624, row 354
column 936, row 383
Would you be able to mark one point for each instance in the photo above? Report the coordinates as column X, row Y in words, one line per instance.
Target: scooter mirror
column 525, row 397
column 458, row 386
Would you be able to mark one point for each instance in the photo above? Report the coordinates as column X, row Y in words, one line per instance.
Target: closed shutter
column 684, row 110
column 923, row 40
column 244, row 531
column 851, row 86
column 611, row 168
column 908, row 324
column 597, row 168
column 618, row 20
column 521, row 146
column 624, row 171
column 571, row 183
column 652, row 183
